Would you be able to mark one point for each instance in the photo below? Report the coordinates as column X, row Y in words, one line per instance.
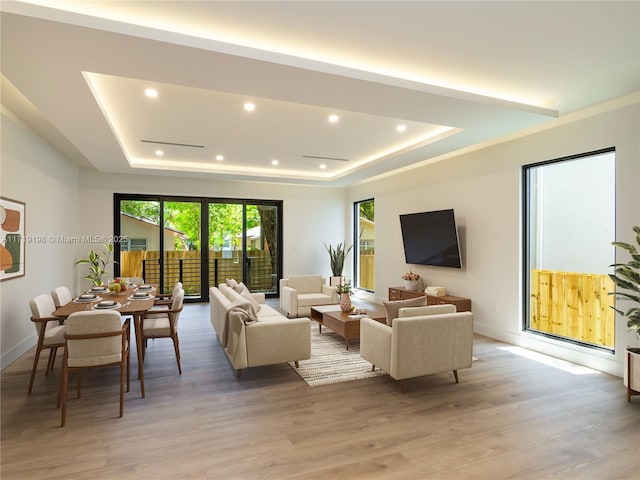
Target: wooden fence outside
column 573, row 305
column 367, row 271
column 184, row 266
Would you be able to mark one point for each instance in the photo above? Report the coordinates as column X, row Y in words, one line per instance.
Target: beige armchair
column 299, row 293
column 421, row 341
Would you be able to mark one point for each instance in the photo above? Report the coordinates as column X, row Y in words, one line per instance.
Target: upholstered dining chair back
column 42, row 306
column 163, row 323
column 49, row 330
column 93, row 349
column 136, row 280
column 95, row 339
column 163, row 300
column 61, row 296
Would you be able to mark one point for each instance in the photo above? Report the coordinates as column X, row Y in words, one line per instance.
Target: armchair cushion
column 306, row 283
column 391, row 308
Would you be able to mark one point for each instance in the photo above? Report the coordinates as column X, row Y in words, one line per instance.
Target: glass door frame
column 204, row 233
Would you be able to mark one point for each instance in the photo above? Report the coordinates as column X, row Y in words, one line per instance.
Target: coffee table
column 348, row 328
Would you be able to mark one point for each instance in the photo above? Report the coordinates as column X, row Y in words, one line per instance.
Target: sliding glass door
column 198, row 241
column 243, row 244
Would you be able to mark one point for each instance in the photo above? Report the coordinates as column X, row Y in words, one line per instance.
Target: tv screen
column 431, row 238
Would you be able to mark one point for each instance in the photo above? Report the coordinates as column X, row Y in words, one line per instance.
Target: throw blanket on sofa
column 237, row 317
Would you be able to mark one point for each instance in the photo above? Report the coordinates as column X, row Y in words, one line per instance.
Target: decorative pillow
column 231, row 282
column 391, row 307
column 246, row 294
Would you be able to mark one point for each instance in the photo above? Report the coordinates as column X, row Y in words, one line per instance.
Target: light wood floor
column 509, row 418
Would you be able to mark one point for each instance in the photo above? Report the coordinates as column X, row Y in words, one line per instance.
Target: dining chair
column 49, row 329
column 163, row 299
column 95, row 339
column 163, row 324
column 135, row 280
column 61, row 296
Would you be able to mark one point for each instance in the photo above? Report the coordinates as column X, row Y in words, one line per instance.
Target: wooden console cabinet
column 401, row 293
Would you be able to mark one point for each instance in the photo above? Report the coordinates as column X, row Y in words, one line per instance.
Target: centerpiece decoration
column 98, row 261
column 413, row 281
column 345, row 291
column 627, row 277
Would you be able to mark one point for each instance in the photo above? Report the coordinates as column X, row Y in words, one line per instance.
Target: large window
column 364, row 243
column 569, row 226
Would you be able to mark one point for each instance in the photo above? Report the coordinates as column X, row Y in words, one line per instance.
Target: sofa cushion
column 306, row 283
column 246, row 295
column 312, row 299
column 391, row 307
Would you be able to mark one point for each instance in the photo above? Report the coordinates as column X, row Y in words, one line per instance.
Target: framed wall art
column 12, row 225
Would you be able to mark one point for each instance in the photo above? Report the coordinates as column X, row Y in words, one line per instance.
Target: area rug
column 331, row 362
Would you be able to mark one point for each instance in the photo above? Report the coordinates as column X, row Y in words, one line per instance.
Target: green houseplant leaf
column 98, row 261
column 626, row 276
column 336, row 257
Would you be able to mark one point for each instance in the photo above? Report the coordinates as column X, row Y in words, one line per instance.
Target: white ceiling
column 456, row 74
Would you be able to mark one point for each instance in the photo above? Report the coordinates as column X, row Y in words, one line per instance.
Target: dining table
column 127, row 302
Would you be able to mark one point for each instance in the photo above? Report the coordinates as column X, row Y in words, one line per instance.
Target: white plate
column 145, row 297
column 145, row 288
column 100, row 306
column 95, row 298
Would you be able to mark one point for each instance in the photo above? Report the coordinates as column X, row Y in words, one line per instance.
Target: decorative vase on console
column 345, row 292
column 412, row 281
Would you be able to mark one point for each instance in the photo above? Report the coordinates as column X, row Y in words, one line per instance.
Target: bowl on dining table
column 88, row 296
column 141, row 295
column 106, row 304
column 145, row 287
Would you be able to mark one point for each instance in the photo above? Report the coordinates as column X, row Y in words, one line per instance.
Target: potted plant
column 627, row 277
column 336, row 257
column 413, row 281
column 345, row 291
column 98, row 261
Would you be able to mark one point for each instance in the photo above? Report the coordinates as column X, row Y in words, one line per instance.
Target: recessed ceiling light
column 159, row 153
column 219, row 157
column 401, row 128
column 333, row 118
column 249, row 107
column 275, row 162
column 151, row 92
column 322, row 166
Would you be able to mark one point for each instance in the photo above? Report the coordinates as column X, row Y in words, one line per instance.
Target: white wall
column 34, row 173
column 484, row 188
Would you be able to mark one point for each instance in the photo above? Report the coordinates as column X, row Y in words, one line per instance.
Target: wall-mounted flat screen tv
column 431, row 238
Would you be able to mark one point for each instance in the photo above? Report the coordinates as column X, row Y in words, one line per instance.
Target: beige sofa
column 299, row 293
column 273, row 338
column 421, row 341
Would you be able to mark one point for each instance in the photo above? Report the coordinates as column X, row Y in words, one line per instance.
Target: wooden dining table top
column 129, row 305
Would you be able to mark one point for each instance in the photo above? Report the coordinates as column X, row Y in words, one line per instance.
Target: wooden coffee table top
column 348, row 328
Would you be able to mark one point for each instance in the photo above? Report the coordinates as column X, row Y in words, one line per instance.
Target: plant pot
column 345, row 302
column 632, row 371
column 413, row 284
